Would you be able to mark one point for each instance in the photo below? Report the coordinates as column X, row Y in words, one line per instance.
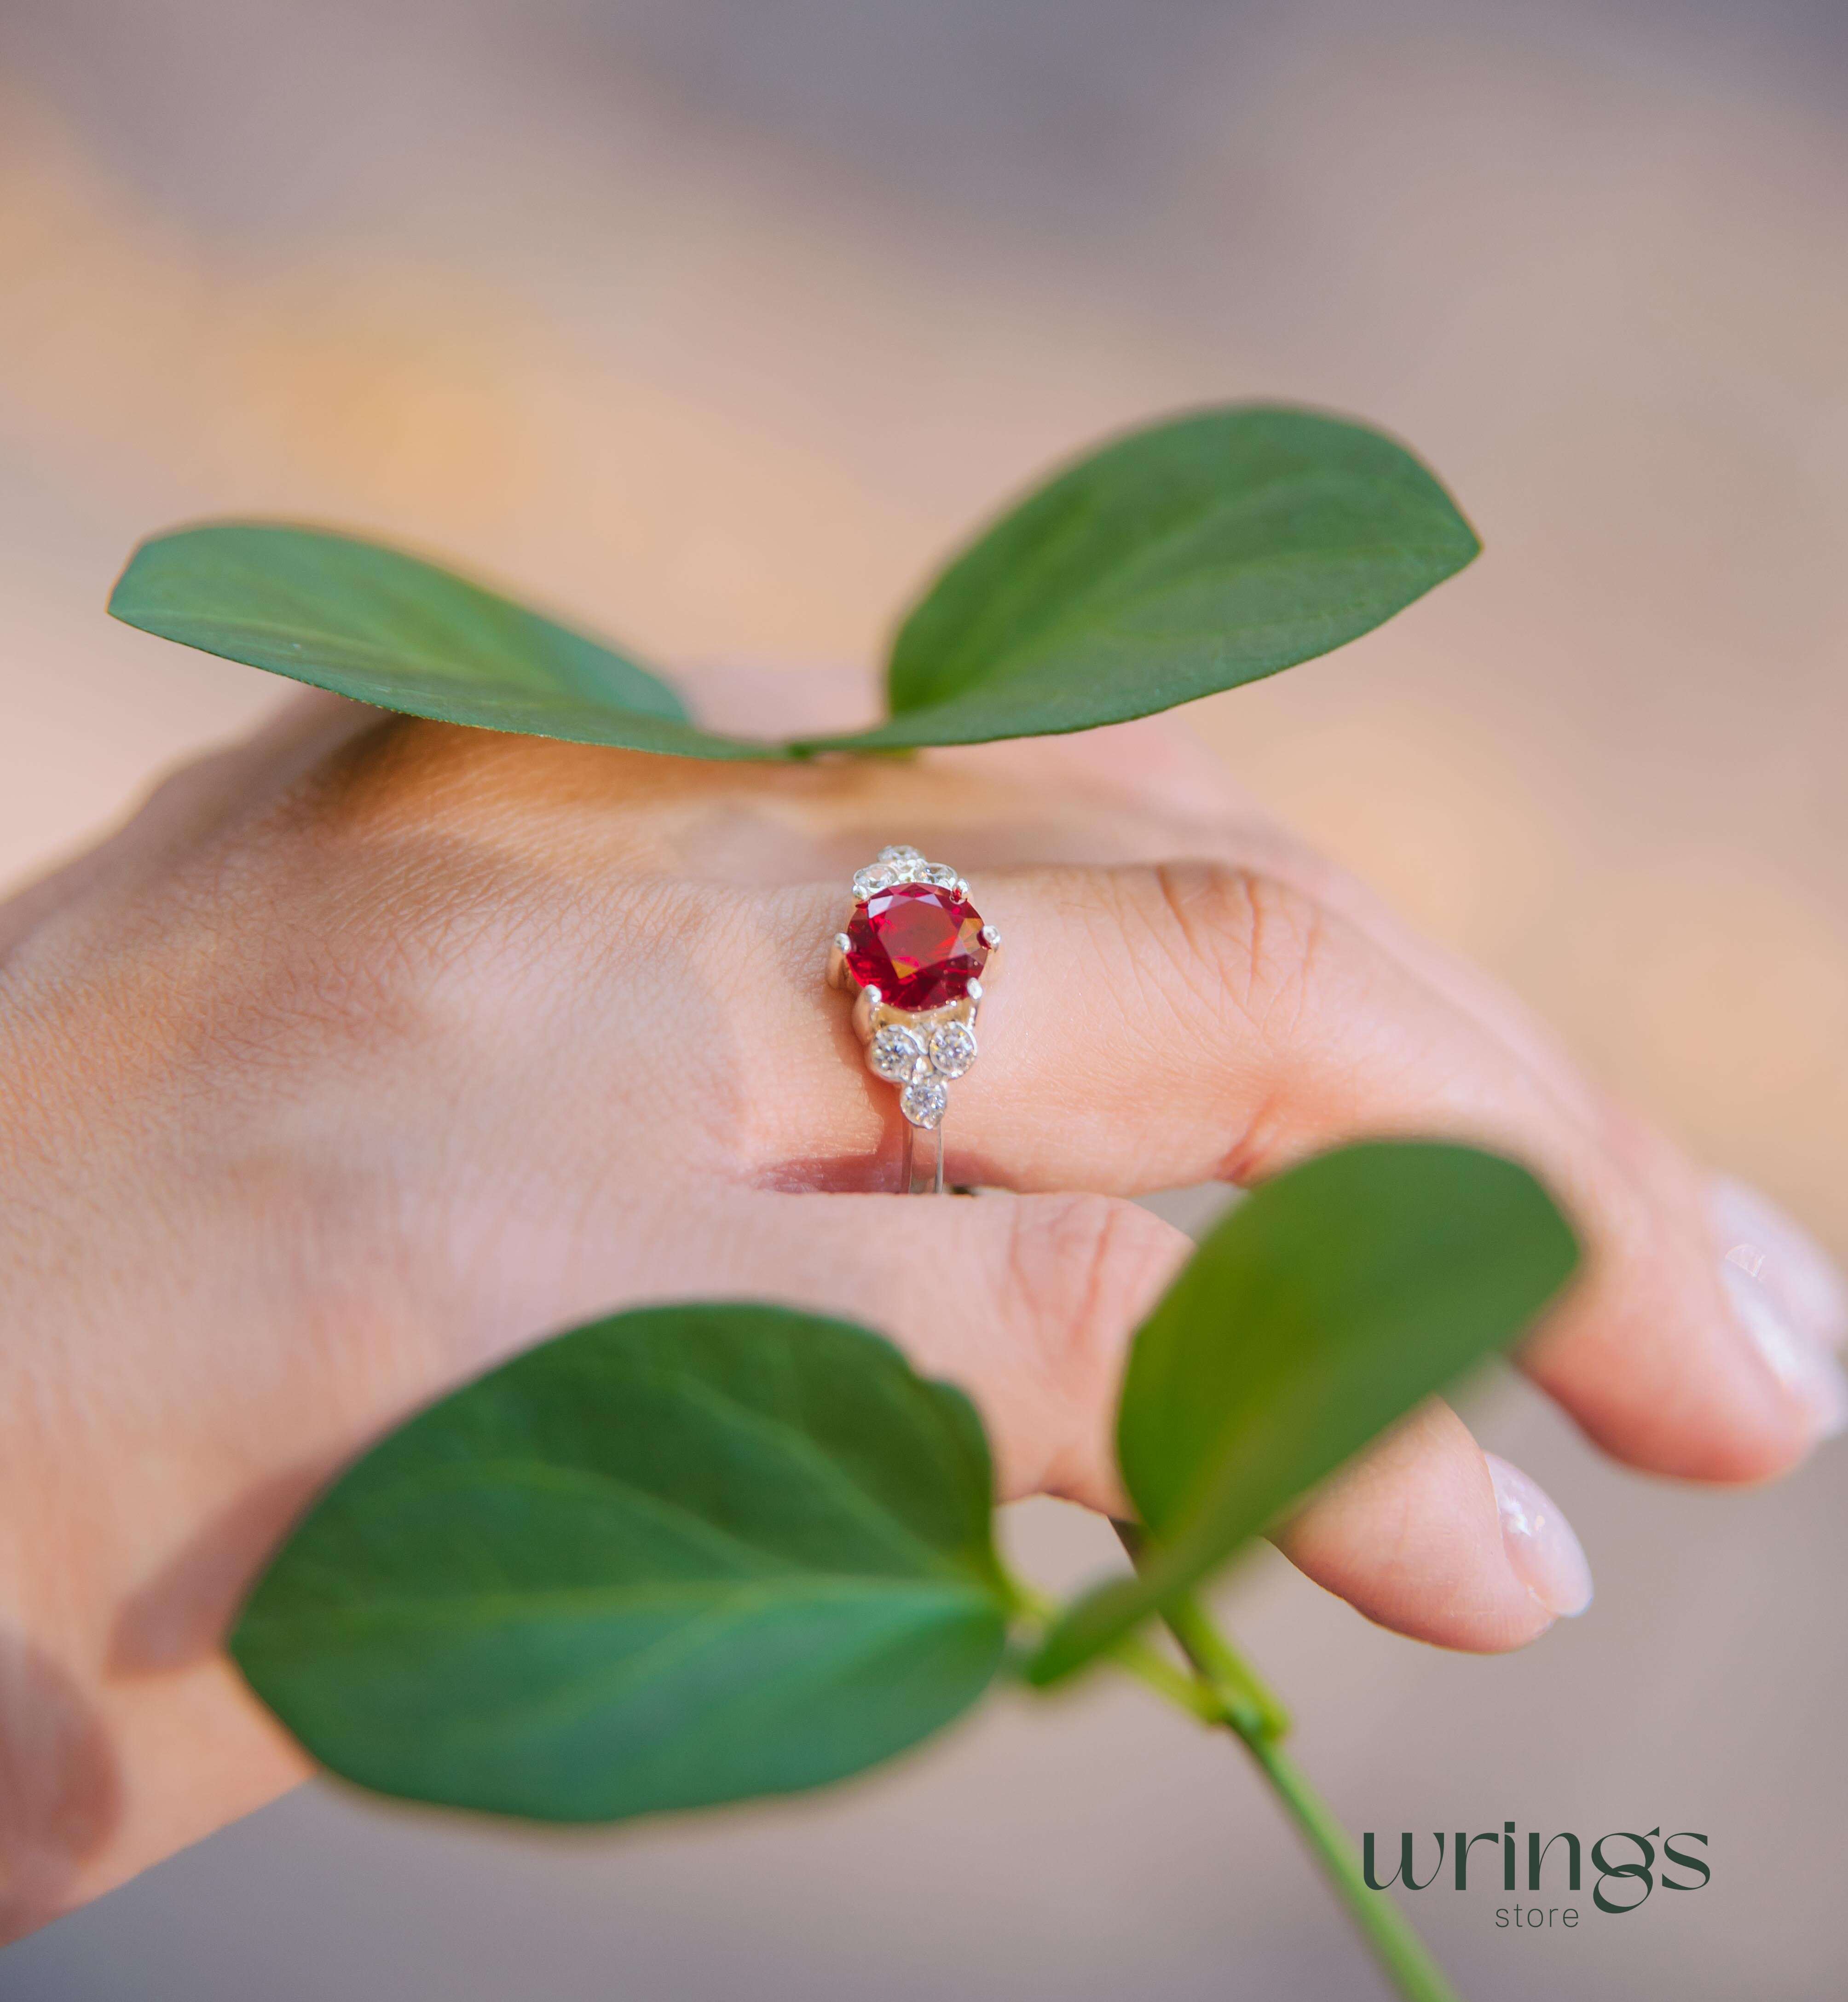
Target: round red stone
column 918, row 945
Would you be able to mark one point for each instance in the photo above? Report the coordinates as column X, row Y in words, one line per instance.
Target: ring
column 913, row 955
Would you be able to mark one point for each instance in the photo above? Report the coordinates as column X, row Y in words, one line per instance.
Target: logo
column 1626, row 1868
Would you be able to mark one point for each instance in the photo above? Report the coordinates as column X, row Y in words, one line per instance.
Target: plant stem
column 1238, row 1699
column 1173, row 1685
column 1251, row 1708
column 1400, row 1951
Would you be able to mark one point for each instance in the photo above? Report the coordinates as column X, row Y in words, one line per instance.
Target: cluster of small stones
column 904, row 1057
column 898, row 1053
column 901, row 864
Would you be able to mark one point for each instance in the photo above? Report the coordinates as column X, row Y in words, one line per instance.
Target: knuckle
column 403, row 891
column 1234, row 969
column 408, row 775
column 1245, row 946
column 1081, row 1270
column 307, row 987
column 339, row 956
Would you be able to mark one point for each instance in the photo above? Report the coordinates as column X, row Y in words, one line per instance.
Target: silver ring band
column 921, row 1161
column 914, row 956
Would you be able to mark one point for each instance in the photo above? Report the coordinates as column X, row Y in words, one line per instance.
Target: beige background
column 714, row 323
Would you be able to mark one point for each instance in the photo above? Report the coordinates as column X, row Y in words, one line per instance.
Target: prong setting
column 866, row 1013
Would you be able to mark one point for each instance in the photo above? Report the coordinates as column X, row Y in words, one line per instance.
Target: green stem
column 1400, row 1951
column 1236, row 1698
column 1173, row 1685
column 1251, row 1708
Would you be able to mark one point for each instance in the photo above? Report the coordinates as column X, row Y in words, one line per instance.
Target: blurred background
column 714, row 322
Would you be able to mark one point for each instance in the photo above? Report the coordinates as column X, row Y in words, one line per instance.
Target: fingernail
column 1811, row 1376
column 1547, row 1558
column 1757, row 1237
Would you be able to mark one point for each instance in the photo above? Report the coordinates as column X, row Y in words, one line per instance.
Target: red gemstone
column 918, row 945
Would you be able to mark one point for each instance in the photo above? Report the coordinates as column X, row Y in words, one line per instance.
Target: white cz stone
column 895, row 1053
column 924, row 1102
column 953, row 1049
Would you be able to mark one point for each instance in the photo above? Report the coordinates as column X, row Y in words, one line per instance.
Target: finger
column 1028, row 1302
column 1152, row 1027
column 1758, row 1242
column 1430, row 1536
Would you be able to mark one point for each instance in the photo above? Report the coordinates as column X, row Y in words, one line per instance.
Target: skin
column 372, row 1050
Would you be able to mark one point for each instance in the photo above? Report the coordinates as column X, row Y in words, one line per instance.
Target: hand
column 373, row 1050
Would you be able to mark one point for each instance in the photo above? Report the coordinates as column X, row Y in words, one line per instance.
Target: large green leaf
column 683, row 1556
column 1200, row 553
column 1325, row 1306
column 386, row 628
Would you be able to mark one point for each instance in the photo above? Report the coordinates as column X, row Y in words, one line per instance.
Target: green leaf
column 1185, row 558
column 1192, row 556
column 389, row 629
column 686, row 1555
column 1328, row 1304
